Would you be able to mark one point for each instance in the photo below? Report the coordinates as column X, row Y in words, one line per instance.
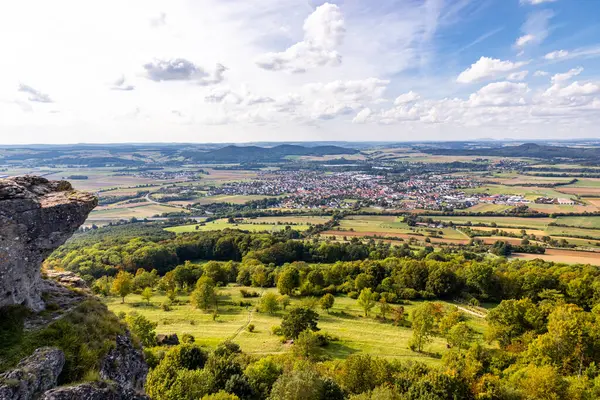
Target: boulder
column 36, row 217
column 94, row 391
column 33, row 375
column 167, row 340
column 125, row 365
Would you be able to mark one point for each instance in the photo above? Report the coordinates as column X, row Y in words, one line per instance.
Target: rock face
column 93, row 391
column 36, row 217
column 33, row 376
column 125, row 365
column 167, row 340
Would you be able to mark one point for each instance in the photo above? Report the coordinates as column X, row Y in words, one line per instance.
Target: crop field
column 517, row 179
column 530, row 193
column 532, row 223
column 577, row 232
column 345, row 321
column 485, row 207
column 563, row 256
column 558, row 208
column 144, row 210
column 221, row 224
column 581, row 222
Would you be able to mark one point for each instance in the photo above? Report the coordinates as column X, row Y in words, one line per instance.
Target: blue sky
column 253, row 70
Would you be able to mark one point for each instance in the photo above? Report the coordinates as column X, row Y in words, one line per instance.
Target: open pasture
column 530, row 193
column 346, row 321
column 249, row 225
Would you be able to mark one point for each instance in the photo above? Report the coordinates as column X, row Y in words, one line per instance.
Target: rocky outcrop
column 125, row 365
column 167, row 340
column 33, row 376
column 93, row 391
column 36, row 216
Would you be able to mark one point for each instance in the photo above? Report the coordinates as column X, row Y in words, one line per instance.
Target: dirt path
column 241, row 328
column 470, row 312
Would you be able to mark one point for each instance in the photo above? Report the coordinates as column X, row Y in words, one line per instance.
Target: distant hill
column 531, row 150
column 235, row 154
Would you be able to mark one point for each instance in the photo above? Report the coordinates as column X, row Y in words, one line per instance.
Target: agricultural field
column 235, row 199
column 345, row 321
column 563, row 256
column 143, row 210
column 252, row 225
column 581, row 222
column 530, row 193
column 517, row 222
column 486, row 207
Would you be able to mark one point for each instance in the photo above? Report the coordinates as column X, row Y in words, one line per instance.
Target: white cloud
column 540, row 73
column 121, row 84
column 363, row 116
column 518, row 76
column 323, row 33
column 488, row 68
column 34, row 94
column 406, row 98
column 555, row 55
column 500, row 94
column 524, row 40
column 537, row 2
column 365, row 90
column 535, row 29
column 577, row 89
column 567, row 75
column 180, row 69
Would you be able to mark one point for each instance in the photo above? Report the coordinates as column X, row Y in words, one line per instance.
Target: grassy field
column 144, row 210
column 484, row 207
column 250, row 225
column 582, row 222
column 391, row 225
column 532, row 223
column 568, row 231
column 346, row 321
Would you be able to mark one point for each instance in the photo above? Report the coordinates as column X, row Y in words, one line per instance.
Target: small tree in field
column 147, row 294
column 284, row 301
column 422, row 324
column 268, row 303
column 204, row 296
column 384, row 308
column 298, row 320
column 366, row 300
column 122, row 285
column 327, row 302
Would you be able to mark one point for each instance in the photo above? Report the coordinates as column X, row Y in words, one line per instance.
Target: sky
column 77, row 71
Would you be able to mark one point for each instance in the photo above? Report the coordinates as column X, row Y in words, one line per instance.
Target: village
column 310, row 190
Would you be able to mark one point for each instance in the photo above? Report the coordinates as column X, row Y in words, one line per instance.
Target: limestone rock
column 125, row 364
column 33, row 375
column 94, row 391
column 36, row 217
column 167, row 340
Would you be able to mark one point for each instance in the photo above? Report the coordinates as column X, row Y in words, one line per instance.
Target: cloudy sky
column 77, row 71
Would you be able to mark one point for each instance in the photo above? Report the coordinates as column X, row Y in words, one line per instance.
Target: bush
column 250, row 328
column 187, row 338
column 166, row 306
column 249, row 294
column 276, row 330
column 353, row 295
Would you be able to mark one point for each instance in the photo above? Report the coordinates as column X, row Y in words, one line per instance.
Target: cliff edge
column 36, row 217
